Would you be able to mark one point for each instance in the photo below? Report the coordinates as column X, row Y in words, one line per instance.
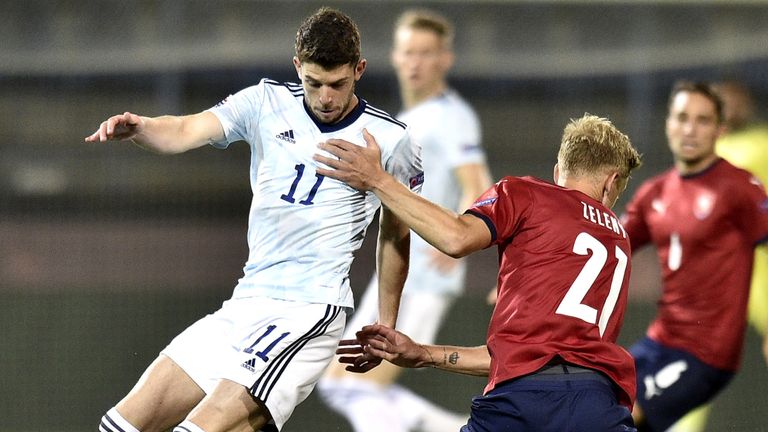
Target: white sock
column 187, row 426
column 365, row 405
column 422, row 415
column 114, row 422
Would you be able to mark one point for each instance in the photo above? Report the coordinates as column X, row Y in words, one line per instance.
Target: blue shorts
column 672, row 382
column 559, row 398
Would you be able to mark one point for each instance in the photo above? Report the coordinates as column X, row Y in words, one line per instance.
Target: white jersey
column 448, row 131
column 303, row 228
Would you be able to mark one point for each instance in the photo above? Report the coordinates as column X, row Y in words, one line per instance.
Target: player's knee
column 113, row 421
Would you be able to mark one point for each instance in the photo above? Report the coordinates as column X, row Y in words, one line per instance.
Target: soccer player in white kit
column 246, row 366
column 456, row 173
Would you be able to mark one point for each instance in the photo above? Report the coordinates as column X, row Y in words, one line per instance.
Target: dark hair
column 703, row 88
column 329, row 39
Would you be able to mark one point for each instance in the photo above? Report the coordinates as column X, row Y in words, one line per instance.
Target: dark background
column 107, row 251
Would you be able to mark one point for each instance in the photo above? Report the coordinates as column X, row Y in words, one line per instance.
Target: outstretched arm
column 360, row 167
column 381, row 342
column 165, row 134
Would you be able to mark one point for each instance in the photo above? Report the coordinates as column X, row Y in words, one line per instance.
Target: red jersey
column 705, row 227
column 563, row 276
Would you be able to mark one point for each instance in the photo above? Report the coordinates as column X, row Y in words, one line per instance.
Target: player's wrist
column 427, row 359
column 381, row 181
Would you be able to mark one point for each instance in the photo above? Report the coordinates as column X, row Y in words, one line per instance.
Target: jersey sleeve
column 405, row 163
column 502, row 207
column 634, row 221
column 460, row 137
column 237, row 113
column 752, row 216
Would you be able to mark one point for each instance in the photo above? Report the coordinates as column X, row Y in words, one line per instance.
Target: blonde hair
column 425, row 19
column 592, row 144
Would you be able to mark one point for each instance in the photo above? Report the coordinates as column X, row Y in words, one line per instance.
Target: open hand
column 353, row 354
column 397, row 348
column 118, row 127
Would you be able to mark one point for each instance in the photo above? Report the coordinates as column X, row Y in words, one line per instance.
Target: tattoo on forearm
column 431, row 359
column 453, row 358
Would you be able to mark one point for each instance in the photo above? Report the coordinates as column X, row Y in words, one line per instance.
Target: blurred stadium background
column 106, row 251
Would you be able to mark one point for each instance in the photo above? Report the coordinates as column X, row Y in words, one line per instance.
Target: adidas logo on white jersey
column 250, row 365
column 286, row 136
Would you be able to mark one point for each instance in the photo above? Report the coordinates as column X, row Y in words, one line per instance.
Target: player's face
column 329, row 94
column 692, row 129
column 420, row 60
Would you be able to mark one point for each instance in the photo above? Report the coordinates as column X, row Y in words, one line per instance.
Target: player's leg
column 355, row 397
column 415, row 411
column 186, row 370
column 229, row 407
column 359, row 396
column 694, row 421
column 671, row 383
column 161, row 398
column 275, row 359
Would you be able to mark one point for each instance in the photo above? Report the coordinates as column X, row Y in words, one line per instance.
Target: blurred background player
column 705, row 218
column 259, row 356
column 744, row 143
column 551, row 356
column 455, row 170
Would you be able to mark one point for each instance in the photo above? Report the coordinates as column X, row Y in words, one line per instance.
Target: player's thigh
column 280, row 357
column 671, row 382
column 161, row 398
column 230, row 407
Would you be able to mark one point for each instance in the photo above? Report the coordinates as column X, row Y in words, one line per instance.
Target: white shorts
column 277, row 349
column 420, row 314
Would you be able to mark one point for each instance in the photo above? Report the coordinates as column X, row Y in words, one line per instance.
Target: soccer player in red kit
column 705, row 217
column 551, row 355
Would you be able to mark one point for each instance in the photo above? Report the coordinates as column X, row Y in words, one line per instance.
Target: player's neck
column 686, row 168
column 587, row 186
column 412, row 98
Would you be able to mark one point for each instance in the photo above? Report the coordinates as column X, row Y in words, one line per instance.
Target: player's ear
column 360, row 68
column 612, row 188
column 556, row 173
column 448, row 58
column 297, row 65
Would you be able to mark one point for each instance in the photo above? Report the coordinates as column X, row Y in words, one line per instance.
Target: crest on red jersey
column 658, row 206
column 703, row 205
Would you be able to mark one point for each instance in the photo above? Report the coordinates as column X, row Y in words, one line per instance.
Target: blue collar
column 346, row 121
